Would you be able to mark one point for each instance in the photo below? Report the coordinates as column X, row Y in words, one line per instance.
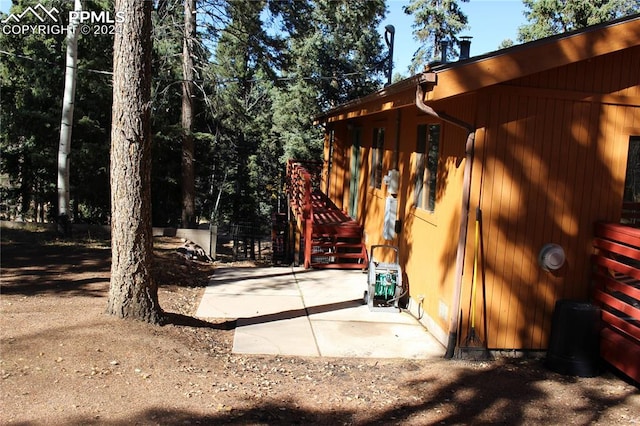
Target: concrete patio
column 308, row 312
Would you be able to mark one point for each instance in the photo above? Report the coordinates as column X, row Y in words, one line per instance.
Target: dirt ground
column 64, row 361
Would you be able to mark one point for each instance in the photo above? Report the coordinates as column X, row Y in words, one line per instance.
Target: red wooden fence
column 617, row 291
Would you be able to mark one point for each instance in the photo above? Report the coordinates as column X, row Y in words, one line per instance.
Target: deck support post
column 307, row 220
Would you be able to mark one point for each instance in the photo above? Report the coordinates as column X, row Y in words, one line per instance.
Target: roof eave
column 428, row 78
column 537, row 56
column 478, row 72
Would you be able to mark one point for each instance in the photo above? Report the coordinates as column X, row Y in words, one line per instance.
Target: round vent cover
column 551, row 257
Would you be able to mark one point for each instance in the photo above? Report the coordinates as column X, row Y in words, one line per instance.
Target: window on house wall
column 376, row 157
column 631, row 196
column 332, row 139
column 427, row 153
column 354, row 180
column 632, row 181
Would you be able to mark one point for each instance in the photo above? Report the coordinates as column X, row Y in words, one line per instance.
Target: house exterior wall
column 550, row 160
column 336, row 171
column 427, row 241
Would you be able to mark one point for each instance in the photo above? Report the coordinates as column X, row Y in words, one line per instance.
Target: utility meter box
column 392, row 179
column 390, row 216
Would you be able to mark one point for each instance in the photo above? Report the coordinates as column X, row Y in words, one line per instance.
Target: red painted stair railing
column 331, row 238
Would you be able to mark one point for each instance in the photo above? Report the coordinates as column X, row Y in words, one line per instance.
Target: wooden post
column 308, row 219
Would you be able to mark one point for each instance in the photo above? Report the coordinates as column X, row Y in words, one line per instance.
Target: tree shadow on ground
column 500, row 394
column 40, row 263
column 55, row 267
column 84, row 287
column 172, row 318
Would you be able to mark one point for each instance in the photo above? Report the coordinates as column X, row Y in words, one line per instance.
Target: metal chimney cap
column 465, row 47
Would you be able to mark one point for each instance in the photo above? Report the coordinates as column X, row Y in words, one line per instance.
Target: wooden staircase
column 328, row 237
column 338, row 247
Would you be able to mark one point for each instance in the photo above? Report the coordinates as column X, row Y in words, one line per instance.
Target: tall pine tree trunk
column 188, row 175
column 66, row 123
column 133, row 292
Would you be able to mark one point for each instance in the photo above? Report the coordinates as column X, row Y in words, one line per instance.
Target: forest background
column 236, row 85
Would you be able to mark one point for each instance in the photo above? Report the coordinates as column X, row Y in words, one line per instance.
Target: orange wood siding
column 337, row 167
column 550, row 160
column 520, row 60
column 428, row 240
column 373, row 199
column 551, row 168
column 611, row 78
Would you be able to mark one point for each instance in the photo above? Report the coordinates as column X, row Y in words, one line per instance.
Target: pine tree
column 336, row 55
column 550, row 17
column 89, row 172
column 32, row 71
column 187, row 116
column 244, row 59
column 166, row 194
column 132, row 292
column 435, row 21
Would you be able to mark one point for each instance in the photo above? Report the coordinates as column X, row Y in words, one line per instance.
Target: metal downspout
column 464, row 215
column 396, row 154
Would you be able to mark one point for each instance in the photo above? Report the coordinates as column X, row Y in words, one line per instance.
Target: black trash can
column 574, row 344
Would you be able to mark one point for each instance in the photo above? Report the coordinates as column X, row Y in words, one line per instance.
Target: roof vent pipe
column 389, row 35
column 444, row 47
column 465, row 47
